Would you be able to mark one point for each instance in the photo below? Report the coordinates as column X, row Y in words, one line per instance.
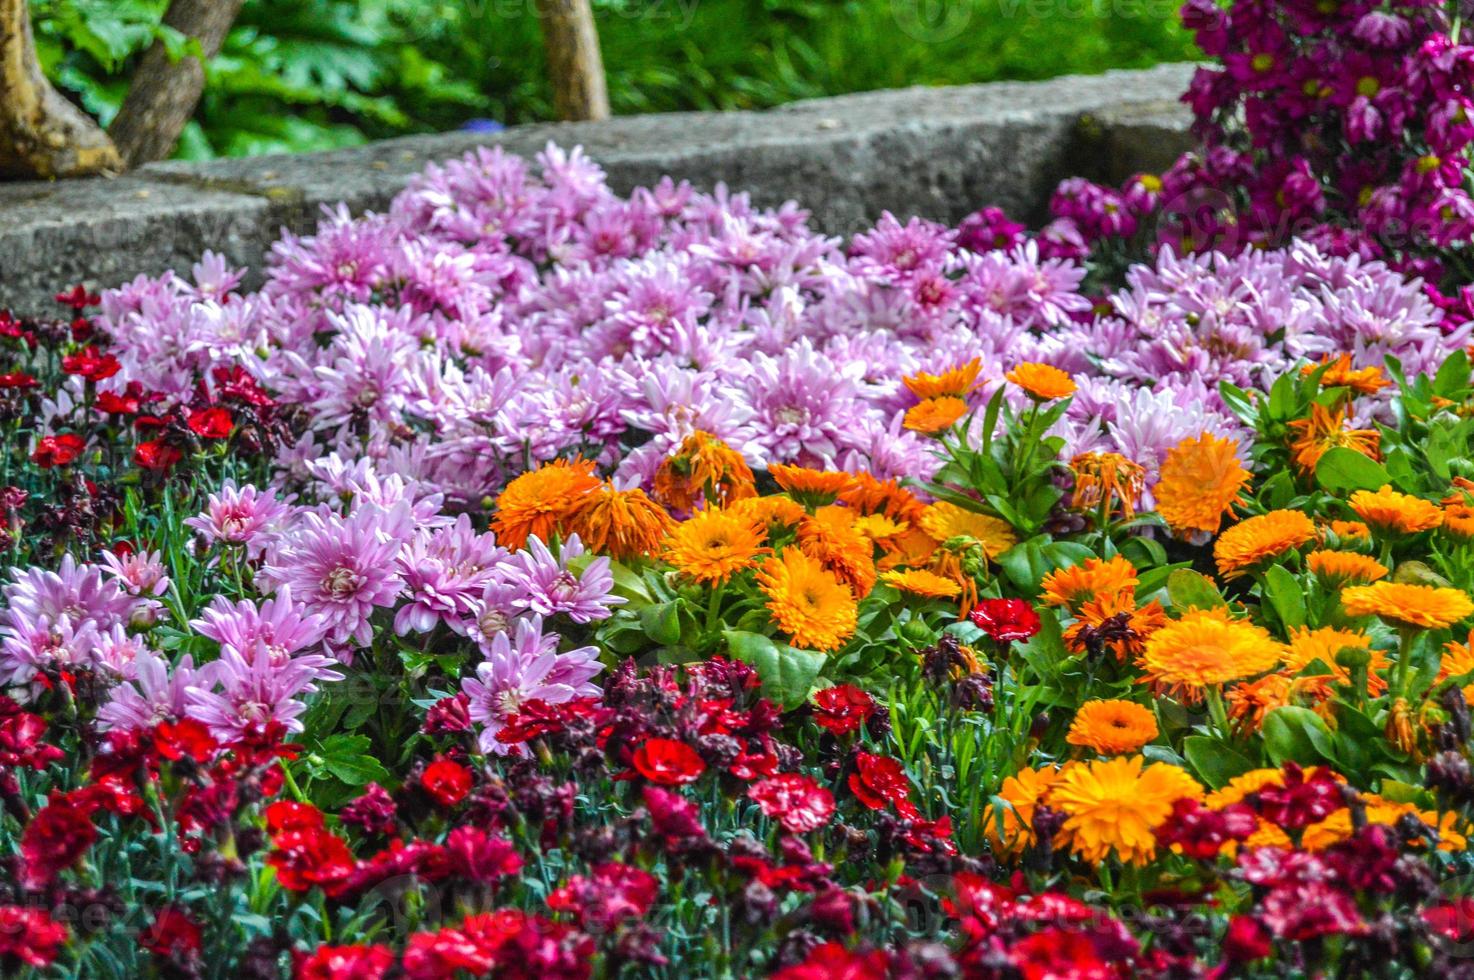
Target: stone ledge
column 935, row 152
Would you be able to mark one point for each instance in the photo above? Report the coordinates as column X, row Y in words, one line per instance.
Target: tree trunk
column 163, row 94
column 574, row 62
column 41, row 133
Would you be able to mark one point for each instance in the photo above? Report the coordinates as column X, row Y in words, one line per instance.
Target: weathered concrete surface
column 935, row 152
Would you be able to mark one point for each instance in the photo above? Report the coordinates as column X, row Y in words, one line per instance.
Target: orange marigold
column 868, row 495
column 1043, row 382
column 1201, row 481
column 1416, row 606
column 812, row 488
column 1350, row 529
column 622, row 524
column 944, row 521
column 1205, row 647
column 1108, row 482
column 1458, row 520
column 714, row 545
column 1023, row 792
column 1340, row 374
column 1345, row 567
column 1117, row 805
column 1323, row 644
column 538, row 501
column 1249, row 702
column 935, row 415
column 919, row 581
column 1325, row 430
column 703, row 467
column 1095, row 578
column 773, row 511
column 1112, row 727
column 830, row 536
column 1246, row 545
column 1395, row 513
column 956, row 382
column 808, row 603
column 1114, row 622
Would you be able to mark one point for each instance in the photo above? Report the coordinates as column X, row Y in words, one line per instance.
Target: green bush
column 313, row 74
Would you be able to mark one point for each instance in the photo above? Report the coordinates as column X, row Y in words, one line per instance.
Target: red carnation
column 446, row 782
column 78, row 298
column 28, row 936
column 92, row 364
column 20, row 741
column 842, row 709
column 54, row 839
column 481, row 857
column 211, row 423
column 613, row 893
column 344, row 963
column 57, row 450
column 1246, row 940
column 1057, row 953
column 673, row 817
column 18, row 380
column 286, row 815
column 311, row 857
column 833, row 960
column 174, row 934
column 794, row 800
column 127, row 402
column 879, row 780
column 156, row 455
column 1006, row 620
column 668, row 762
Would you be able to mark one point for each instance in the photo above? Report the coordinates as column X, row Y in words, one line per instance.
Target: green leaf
column 1188, row 589
column 786, row 673
column 1285, row 595
column 347, row 757
column 662, row 622
column 1213, row 761
column 1343, row 470
column 1297, row 734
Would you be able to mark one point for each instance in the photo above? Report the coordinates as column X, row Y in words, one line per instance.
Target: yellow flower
column 1240, row 787
column 1310, row 645
column 1117, row 805
column 714, row 545
column 1095, row 578
column 1417, row 606
column 1395, row 513
column 1200, row 482
column 807, row 602
column 1207, row 647
column 829, row 535
column 535, row 503
column 1106, row 478
column 1337, row 827
column 1043, row 382
column 878, row 527
column 703, row 467
column 1326, row 430
column 1345, row 567
column 919, row 581
column 957, row 382
column 935, row 415
column 944, row 521
column 812, row 488
column 1023, row 792
column 1112, row 727
column 772, row 511
column 622, row 524
column 1244, row 546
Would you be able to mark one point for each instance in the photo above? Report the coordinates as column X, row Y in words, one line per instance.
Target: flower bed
column 532, row 581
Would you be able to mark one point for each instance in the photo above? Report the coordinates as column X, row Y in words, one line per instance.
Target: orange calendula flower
column 807, row 602
column 714, row 545
column 1245, row 546
column 703, row 467
column 772, row 512
column 1200, row 482
column 1326, row 430
column 878, row 527
column 1391, row 512
column 944, row 521
column 622, row 524
column 1458, row 520
column 1249, row 702
column 1095, row 578
column 1323, row 644
column 1241, row 787
column 935, row 415
column 812, row 488
column 1345, row 567
column 1458, row 661
column 1112, row 727
column 957, row 382
column 1350, row 530
column 1340, row 374
column 1023, row 792
column 1117, row 805
column 919, row 581
column 829, row 535
column 1043, row 382
column 1416, row 606
column 1107, row 480
column 1115, row 623
column 868, row 495
column 1206, row 647
column 1338, row 828
column 538, row 501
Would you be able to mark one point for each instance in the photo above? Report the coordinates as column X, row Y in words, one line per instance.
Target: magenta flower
column 244, row 516
column 523, row 668
column 551, row 586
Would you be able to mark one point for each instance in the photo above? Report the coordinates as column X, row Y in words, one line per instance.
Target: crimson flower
column 287, row 815
column 311, row 857
column 796, row 801
column 879, row 780
column 1005, row 620
column 174, row 934
column 374, row 811
column 835, row 961
column 673, row 817
column 1057, row 953
column 842, row 709
column 344, row 963
column 1246, row 940
column 156, row 455
column 668, row 762
column 55, row 838
column 20, row 740
column 57, row 450
column 613, row 893
column 18, row 380
column 446, row 782
column 211, row 423
column 92, row 364
column 28, row 936
column 128, row 402
column 78, row 298
column 481, row 857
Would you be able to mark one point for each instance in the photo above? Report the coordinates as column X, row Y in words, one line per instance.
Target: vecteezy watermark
column 932, row 21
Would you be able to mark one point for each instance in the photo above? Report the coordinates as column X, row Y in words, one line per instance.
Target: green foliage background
column 315, row 74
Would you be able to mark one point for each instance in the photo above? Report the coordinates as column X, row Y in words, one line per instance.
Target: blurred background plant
column 315, row 74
